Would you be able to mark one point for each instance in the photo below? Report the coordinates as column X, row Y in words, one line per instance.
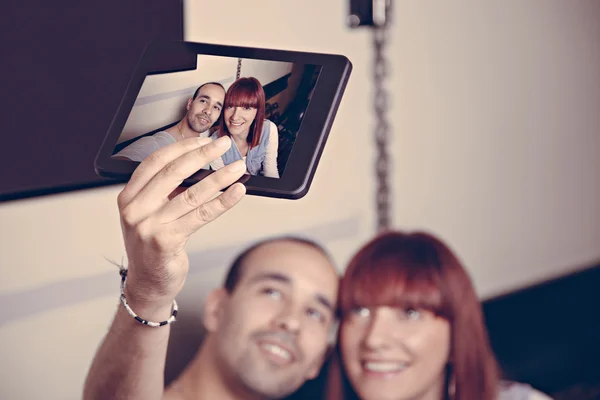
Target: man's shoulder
column 158, row 137
column 143, row 146
column 163, row 135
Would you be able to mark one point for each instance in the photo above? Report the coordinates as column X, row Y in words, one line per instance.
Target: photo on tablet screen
column 277, row 106
column 259, row 104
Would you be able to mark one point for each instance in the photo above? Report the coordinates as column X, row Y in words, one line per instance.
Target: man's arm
column 130, row 362
column 157, row 218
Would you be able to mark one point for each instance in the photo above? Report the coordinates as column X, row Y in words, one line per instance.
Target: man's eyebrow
column 271, row 276
column 325, row 302
column 203, row 96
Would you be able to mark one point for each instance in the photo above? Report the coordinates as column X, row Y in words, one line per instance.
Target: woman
column 254, row 138
column 412, row 328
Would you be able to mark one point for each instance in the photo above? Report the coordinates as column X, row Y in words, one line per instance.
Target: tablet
column 277, row 106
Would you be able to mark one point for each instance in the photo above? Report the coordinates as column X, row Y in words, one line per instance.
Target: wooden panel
column 64, row 70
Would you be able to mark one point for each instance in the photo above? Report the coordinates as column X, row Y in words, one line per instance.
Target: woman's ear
column 213, row 308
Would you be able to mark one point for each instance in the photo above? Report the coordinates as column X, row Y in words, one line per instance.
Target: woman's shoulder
column 268, row 123
column 510, row 390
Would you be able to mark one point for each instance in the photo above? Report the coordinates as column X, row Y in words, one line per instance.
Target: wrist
column 143, row 306
column 150, row 309
column 149, row 291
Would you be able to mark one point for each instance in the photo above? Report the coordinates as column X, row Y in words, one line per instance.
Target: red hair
column 417, row 270
column 246, row 92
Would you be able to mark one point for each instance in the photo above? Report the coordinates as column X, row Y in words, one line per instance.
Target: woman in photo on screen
column 412, row 328
column 254, row 138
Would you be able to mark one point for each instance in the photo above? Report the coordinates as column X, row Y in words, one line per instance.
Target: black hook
column 373, row 13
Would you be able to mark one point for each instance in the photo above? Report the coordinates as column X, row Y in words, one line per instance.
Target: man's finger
column 198, row 217
column 156, row 192
column 176, row 192
column 154, row 163
column 201, row 192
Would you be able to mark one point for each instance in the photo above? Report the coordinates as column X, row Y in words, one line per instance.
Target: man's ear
column 213, row 308
column 189, row 104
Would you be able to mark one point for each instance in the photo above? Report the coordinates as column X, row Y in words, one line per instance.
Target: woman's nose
column 378, row 334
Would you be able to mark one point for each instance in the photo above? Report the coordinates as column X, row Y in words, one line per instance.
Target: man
column 202, row 111
column 268, row 327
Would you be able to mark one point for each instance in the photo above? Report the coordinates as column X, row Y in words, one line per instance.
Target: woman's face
column 395, row 354
column 239, row 119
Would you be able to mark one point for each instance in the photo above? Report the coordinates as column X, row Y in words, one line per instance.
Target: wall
column 265, row 71
column 497, row 134
column 494, row 113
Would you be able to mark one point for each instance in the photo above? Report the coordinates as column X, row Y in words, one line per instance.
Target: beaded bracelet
column 123, row 273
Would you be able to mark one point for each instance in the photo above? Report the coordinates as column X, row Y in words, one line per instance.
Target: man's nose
column 288, row 320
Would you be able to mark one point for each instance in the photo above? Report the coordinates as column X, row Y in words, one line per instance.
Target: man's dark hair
column 235, row 270
column 204, row 84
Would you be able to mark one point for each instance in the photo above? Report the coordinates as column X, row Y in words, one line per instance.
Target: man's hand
column 158, row 216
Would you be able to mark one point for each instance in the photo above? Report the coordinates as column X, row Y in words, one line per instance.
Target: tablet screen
column 259, row 104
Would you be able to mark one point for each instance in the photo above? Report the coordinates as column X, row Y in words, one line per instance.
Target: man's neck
column 182, row 131
column 201, row 380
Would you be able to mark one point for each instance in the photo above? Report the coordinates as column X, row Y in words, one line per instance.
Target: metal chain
column 239, row 69
column 382, row 126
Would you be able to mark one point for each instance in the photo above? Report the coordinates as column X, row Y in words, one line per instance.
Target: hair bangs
column 394, row 277
column 243, row 95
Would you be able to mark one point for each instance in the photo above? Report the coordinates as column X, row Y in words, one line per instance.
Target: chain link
column 382, row 126
column 239, row 69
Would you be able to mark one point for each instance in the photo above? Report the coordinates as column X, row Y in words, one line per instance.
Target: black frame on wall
column 63, row 76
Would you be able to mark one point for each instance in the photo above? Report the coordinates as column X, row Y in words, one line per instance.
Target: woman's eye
column 411, row 313
column 362, row 312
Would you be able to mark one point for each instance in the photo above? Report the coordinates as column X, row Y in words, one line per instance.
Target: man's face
column 204, row 110
column 272, row 332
